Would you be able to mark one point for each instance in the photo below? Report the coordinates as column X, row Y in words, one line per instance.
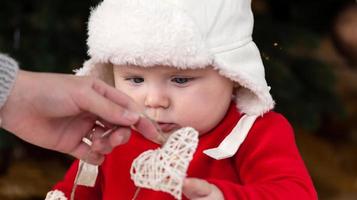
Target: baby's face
column 177, row 98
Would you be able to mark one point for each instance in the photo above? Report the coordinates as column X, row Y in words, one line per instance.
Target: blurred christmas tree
column 42, row 35
column 45, row 35
column 287, row 33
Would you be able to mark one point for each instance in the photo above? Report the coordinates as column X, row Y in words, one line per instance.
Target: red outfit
column 266, row 166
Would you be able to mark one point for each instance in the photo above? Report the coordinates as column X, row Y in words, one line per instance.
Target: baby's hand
column 198, row 189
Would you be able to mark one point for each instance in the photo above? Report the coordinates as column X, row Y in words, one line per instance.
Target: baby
column 192, row 63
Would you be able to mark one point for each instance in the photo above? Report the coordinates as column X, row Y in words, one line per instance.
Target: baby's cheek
column 198, row 116
column 201, row 125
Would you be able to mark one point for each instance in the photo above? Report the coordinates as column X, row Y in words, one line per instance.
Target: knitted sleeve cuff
column 8, row 71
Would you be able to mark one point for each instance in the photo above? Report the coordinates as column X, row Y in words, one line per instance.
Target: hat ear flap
column 102, row 71
column 253, row 103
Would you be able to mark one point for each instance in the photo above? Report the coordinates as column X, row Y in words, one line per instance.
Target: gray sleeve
column 8, row 71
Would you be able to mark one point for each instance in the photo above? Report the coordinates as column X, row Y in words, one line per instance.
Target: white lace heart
column 164, row 169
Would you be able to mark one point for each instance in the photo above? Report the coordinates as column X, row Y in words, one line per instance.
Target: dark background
column 309, row 49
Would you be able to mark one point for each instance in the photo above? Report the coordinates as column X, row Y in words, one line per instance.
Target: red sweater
column 266, row 166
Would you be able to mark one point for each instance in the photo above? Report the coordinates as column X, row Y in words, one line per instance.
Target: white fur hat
column 184, row 34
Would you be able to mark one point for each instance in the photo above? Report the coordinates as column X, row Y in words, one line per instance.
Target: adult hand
column 198, row 189
column 56, row 111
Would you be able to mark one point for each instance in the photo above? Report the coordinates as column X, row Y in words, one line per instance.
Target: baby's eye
column 181, row 80
column 135, row 80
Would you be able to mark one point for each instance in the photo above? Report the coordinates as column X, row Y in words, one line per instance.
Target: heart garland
column 164, row 169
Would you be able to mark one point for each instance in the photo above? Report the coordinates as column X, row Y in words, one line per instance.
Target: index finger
column 115, row 95
column 143, row 125
column 106, row 102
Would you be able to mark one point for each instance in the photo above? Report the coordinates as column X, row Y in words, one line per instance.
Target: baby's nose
column 157, row 98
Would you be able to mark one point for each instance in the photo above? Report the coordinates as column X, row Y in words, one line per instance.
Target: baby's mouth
column 168, row 127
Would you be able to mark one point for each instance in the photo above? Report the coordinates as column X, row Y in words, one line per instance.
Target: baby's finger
column 194, row 188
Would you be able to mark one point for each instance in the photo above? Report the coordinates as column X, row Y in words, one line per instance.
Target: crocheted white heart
column 164, row 169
